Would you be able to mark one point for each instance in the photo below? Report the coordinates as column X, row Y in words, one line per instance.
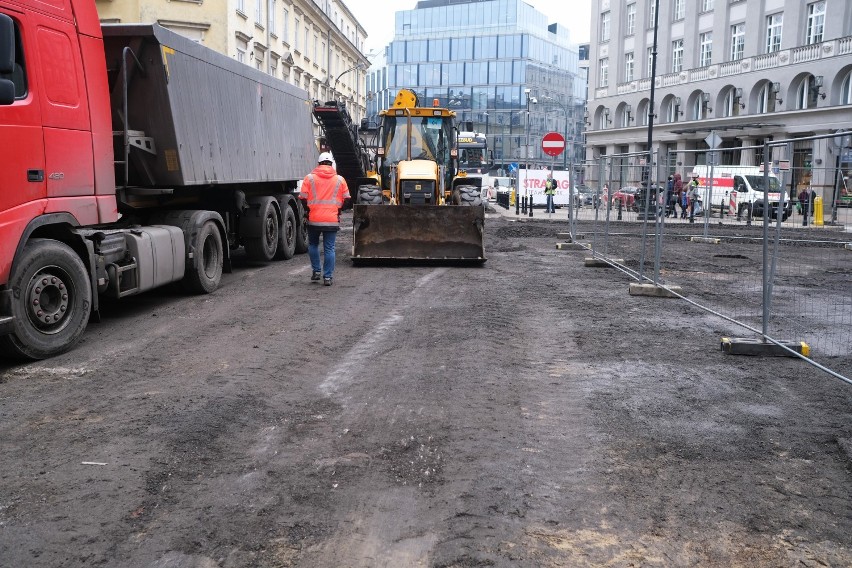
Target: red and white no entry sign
column 552, row 143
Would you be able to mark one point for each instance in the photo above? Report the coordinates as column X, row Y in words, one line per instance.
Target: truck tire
column 51, row 301
column 369, row 195
column 204, row 276
column 263, row 246
column 467, row 195
column 302, row 234
column 287, row 234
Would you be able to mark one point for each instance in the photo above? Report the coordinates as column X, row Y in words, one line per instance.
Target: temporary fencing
column 780, row 271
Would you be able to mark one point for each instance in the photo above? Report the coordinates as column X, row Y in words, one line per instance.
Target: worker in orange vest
column 323, row 194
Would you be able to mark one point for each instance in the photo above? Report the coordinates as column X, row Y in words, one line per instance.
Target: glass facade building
column 482, row 59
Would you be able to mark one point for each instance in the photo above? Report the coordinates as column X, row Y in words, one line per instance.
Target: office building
column 748, row 70
column 489, row 61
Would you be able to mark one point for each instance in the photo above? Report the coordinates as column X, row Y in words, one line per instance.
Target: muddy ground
column 423, row 416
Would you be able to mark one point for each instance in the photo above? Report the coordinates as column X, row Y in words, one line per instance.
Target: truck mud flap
column 436, row 233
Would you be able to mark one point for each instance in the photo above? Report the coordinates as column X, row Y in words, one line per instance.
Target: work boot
column 326, row 281
column 315, row 276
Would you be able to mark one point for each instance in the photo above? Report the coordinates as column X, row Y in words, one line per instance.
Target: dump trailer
column 140, row 158
column 419, row 207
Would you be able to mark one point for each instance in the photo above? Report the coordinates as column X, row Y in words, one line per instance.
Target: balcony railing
column 803, row 54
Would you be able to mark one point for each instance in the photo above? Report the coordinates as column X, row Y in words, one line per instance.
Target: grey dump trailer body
column 196, row 117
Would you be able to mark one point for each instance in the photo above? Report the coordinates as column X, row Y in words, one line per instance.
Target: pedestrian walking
column 693, row 199
column 323, row 194
column 806, row 203
column 671, row 198
column 678, row 196
column 550, row 191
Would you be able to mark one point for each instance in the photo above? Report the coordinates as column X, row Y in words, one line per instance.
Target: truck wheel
column 51, row 301
column 263, row 247
column 369, row 195
column 204, row 277
column 287, row 235
column 467, row 195
column 302, row 234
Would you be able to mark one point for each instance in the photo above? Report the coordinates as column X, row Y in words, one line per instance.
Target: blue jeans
column 550, row 207
column 329, row 237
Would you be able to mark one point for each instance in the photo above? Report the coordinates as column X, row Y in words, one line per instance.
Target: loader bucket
column 418, row 233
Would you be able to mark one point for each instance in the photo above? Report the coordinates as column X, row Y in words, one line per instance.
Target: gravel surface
column 503, row 415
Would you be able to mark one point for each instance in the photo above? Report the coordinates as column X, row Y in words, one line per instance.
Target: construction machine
column 416, row 205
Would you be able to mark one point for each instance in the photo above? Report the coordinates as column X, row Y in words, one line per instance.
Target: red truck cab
column 56, row 166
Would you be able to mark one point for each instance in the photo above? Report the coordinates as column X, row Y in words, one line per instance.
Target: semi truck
column 132, row 157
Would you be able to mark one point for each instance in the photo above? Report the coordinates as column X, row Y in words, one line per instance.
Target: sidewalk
column 587, row 213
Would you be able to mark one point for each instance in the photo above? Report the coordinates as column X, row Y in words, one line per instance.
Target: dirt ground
column 503, row 415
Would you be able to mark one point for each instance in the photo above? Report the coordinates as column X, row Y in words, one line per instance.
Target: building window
column 241, row 6
column 603, row 73
column 285, row 26
column 766, row 99
column 672, row 111
column 307, row 37
column 705, row 54
column 296, row 34
column 258, row 11
column 241, row 55
column 652, row 15
column 677, row 56
column 630, row 27
column 846, row 90
column 706, row 6
column 806, row 94
column 816, row 22
column 628, row 67
column 773, row 32
column 272, row 29
column 605, row 26
column 679, row 10
column 650, row 61
column 737, row 41
column 697, row 106
column 732, row 104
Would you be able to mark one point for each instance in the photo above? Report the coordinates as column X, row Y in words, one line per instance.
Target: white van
column 739, row 187
column 491, row 185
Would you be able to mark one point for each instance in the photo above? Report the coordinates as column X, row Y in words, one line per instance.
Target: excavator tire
column 467, row 195
column 369, row 195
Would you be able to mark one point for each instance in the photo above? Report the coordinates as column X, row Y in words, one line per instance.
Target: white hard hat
column 325, row 157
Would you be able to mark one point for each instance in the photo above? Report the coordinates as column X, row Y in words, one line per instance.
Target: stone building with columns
column 315, row 45
column 749, row 70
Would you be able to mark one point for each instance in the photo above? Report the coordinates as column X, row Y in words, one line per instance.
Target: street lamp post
column 354, row 67
column 527, row 150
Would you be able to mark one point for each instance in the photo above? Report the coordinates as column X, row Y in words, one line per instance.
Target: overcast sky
column 378, row 18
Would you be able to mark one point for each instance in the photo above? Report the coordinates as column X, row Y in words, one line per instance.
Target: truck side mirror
column 741, row 188
column 7, row 45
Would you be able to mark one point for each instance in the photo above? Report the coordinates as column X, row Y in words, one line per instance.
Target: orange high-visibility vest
column 324, row 191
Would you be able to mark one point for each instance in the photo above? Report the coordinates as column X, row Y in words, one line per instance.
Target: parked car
column 757, row 210
column 585, row 195
column 627, row 197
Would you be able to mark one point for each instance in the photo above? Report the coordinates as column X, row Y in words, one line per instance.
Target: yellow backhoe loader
column 417, row 207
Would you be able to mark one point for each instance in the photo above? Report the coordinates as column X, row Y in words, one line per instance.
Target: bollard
column 818, row 212
column 531, row 204
column 748, row 215
column 517, row 201
column 524, row 204
column 722, row 209
column 619, row 210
